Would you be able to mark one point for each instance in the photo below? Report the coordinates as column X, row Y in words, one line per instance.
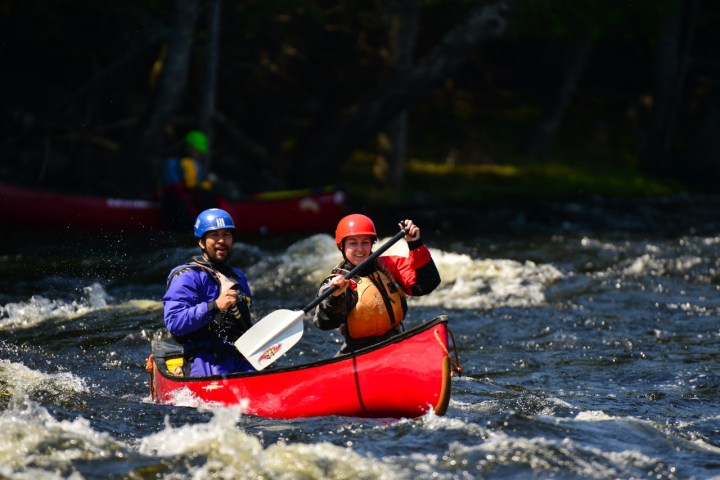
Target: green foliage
column 543, row 19
column 484, row 185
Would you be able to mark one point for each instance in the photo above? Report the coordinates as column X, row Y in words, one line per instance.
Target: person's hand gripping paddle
column 276, row 333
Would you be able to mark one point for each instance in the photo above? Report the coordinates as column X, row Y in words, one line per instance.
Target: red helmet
column 354, row 224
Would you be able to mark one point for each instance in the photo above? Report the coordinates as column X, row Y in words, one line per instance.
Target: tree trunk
column 324, row 152
column 212, row 52
column 403, row 34
column 170, row 88
column 544, row 132
column 670, row 69
column 703, row 155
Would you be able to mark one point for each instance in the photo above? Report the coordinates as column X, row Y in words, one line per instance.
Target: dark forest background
column 303, row 93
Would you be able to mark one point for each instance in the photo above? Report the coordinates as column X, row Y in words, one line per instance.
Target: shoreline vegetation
column 512, row 184
column 526, row 197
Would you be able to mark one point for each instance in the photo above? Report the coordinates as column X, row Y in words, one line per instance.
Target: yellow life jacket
column 190, row 172
column 381, row 306
column 193, row 175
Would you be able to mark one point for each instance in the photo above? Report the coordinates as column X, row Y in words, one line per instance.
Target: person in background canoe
column 370, row 307
column 207, row 302
column 186, row 189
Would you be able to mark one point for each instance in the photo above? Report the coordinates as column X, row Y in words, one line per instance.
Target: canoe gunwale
column 162, row 370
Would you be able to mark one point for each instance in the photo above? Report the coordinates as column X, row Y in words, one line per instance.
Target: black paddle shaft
column 357, row 268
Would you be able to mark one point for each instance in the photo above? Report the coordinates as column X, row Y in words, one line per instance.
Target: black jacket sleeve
column 332, row 312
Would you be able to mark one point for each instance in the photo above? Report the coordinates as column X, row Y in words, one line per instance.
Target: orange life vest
column 381, row 306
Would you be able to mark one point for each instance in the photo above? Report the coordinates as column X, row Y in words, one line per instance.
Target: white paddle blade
column 271, row 337
column 278, row 347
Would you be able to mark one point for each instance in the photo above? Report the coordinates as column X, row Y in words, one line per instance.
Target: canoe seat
column 169, row 356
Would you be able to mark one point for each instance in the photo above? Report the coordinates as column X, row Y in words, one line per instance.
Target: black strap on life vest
column 376, row 279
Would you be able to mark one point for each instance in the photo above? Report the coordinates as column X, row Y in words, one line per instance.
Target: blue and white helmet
column 213, row 219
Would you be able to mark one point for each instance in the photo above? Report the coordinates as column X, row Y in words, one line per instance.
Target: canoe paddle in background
column 276, row 333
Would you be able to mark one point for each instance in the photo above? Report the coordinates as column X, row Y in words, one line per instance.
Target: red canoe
column 295, row 211
column 403, row 377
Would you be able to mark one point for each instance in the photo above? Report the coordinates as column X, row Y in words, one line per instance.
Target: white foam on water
column 38, row 308
column 231, row 453
column 648, row 264
column 308, row 260
column 34, row 445
column 184, row 397
column 488, row 283
column 467, row 283
column 17, row 378
column 593, row 416
column 548, row 457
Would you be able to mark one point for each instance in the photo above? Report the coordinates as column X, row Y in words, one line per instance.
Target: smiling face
column 216, row 245
column 357, row 248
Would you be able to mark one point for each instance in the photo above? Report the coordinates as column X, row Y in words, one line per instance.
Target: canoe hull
column 299, row 211
column 404, row 377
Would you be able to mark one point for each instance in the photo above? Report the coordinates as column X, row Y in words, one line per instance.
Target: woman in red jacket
column 371, row 306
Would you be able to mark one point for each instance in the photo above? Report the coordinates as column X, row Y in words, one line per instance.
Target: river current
column 588, row 335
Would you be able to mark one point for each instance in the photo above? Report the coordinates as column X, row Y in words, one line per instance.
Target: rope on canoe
column 456, row 362
column 149, row 367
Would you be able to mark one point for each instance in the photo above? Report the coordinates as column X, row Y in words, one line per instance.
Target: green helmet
column 197, row 140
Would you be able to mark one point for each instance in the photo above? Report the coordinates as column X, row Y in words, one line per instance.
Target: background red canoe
column 287, row 212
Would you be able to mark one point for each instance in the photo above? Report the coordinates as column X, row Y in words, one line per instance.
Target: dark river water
column 588, row 334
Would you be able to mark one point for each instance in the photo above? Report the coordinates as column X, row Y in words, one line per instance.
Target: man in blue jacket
column 207, row 302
